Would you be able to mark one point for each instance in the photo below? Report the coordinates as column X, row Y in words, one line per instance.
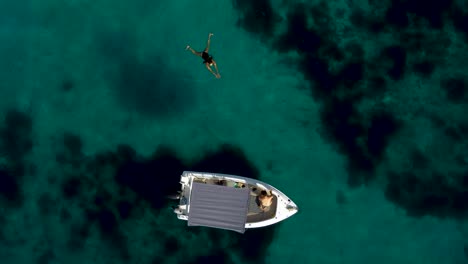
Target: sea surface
column 357, row 110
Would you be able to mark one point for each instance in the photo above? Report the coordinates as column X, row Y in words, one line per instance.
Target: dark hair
column 207, row 58
column 263, row 192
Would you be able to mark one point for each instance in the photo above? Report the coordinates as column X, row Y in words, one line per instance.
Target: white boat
column 229, row 202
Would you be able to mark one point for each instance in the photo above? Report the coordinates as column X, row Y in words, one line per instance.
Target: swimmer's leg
column 193, row 51
column 209, row 68
column 216, row 68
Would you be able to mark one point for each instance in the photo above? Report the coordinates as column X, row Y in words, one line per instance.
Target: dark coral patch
column 153, row 179
column 298, row 36
column 125, row 209
column 71, row 187
column 424, row 68
column 227, row 159
column 429, row 196
column 215, row 257
column 9, row 187
column 257, row 17
column 171, row 245
column 16, row 135
column 396, row 56
column 78, row 235
column 455, row 88
column 383, row 126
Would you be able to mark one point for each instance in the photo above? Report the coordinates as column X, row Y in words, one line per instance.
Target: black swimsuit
column 207, row 58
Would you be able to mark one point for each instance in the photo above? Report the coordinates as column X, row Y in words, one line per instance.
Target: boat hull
column 284, row 207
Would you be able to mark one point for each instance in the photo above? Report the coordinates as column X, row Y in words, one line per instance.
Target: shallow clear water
column 356, row 111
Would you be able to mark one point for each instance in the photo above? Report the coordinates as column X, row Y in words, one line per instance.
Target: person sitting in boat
column 239, row 185
column 221, row 182
column 265, row 200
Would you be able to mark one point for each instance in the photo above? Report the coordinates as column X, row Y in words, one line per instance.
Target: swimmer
column 207, row 58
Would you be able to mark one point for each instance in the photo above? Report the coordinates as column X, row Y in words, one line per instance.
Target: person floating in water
column 207, row 58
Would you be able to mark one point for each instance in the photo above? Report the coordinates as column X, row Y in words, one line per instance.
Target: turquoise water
column 355, row 110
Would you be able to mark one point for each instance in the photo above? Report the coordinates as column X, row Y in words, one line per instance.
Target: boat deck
column 254, row 214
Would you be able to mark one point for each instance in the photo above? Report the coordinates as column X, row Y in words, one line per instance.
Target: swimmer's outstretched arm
column 208, row 43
